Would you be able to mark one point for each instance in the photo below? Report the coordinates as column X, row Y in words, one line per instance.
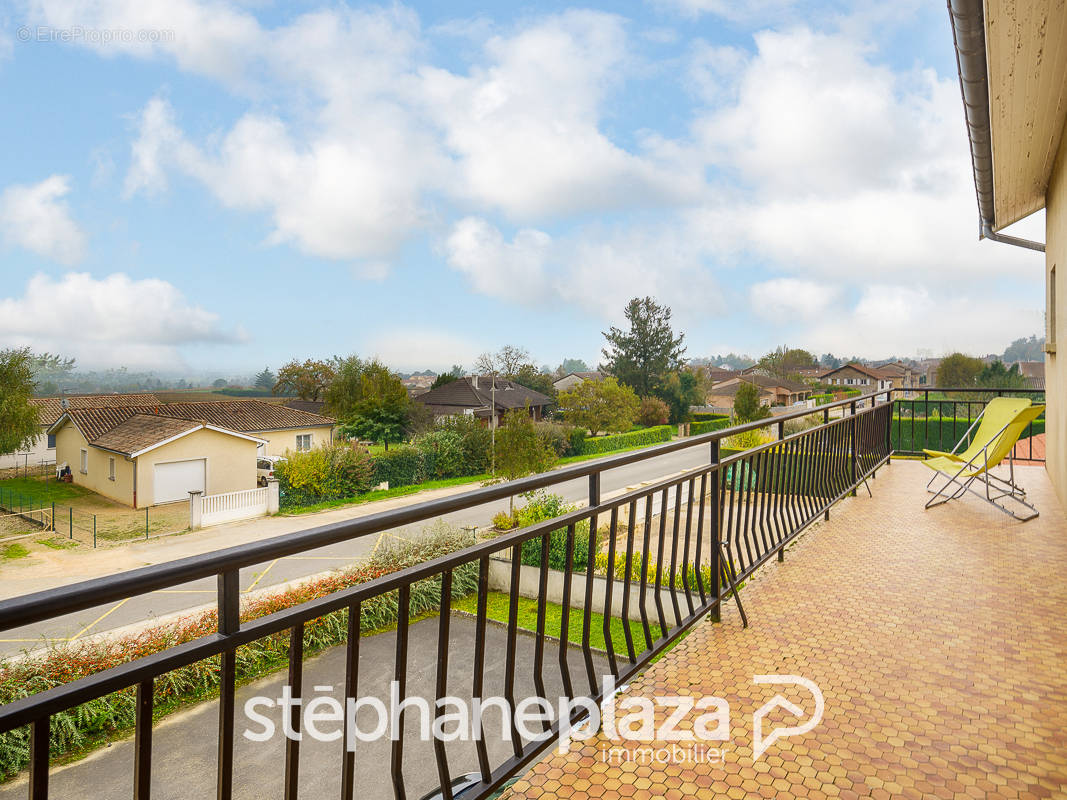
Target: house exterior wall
column 231, row 462
column 35, row 454
column 280, row 441
column 96, row 478
column 567, row 382
column 1056, row 332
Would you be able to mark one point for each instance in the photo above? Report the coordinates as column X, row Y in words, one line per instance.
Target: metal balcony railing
column 728, row 517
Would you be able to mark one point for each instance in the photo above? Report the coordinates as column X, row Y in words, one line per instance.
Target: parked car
column 265, row 468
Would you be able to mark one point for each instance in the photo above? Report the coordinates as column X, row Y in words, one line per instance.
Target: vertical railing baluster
column 699, row 572
column 609, row 577
column 40, row 735
column 659, row 564
column 674, row 553
column 479, row 660
column 400, row 677
column 142, row 742
column 348, row 764
column 626, row 581
column 565, row 615
column 685, row 547
column 539, row 640
column 296, row 680
column 229, row 604
column 745, row 493
column 587, row 612
column 509, row 657
column 643, row 590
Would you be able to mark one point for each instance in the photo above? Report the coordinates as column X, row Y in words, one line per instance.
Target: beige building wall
column 280, row 441
column 1056, row 330
column 231, row 462
column 97, row 477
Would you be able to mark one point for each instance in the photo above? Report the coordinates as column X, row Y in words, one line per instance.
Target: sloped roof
column 50, row 409
column 462, row 393
column 141, row 431
column 764, row 382
column 871, row 372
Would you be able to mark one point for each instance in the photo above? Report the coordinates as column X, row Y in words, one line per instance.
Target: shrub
column 401, row 466
column 652, row 412
column 559, row 436
column 745, row 440
column 539, row 507
column 707, row 416
column 645, row 436
column 503, row 521
column 707, row 426
column 323, row 473
column 90, row 723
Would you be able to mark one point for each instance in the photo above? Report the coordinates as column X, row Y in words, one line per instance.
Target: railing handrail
column 38, row 606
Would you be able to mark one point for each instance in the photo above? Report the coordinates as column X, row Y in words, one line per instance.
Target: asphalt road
column 203, row 592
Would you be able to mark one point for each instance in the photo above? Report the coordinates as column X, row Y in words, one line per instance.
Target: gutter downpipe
column 968, row 35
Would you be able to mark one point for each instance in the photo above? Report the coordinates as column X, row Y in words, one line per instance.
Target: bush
column 503, row 521
column 652, row 412
column 324, row 473
column 745, row 440
column 707, row 426
column 539, row 507
column 708, row 416
column 822, row 399
column 401, row 466
column 577, row 441
column 560, row 436
column 457, row 446
column 620, row 441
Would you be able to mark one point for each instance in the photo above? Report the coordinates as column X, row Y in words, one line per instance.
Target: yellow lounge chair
column 999, row 427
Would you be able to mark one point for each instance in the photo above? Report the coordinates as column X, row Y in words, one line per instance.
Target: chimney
column 64, row 402
column 474, row 381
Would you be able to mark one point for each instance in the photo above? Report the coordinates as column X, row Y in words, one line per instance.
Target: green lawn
column 384, row 494
column 497, row 609
column 41, row 492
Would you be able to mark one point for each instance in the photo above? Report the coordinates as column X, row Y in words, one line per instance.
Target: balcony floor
column 938, row 639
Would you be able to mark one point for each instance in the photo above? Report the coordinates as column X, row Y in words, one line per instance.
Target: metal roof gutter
column 968, row 34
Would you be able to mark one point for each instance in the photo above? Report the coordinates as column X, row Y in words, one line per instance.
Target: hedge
column 707, row 426
column 401, row 466
column 951, row 408
column 822, row 399
column 918, row 433
column 621, row 441
column 708, row 416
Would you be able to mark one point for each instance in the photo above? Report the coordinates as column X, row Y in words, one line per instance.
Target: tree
column 265, row 379
column 643, row 356
column 532, row 378
column 747, row 405
column 604, row 405
column 830, row 361
column 653, row 411
column 680, row 391
column 19, row 423
column 219, row 383
column 784, row 361
column 308, row 381
column 570, row 365
column 50, row 372
column 998, row 376
column 442, row 379
column 1032, row 349
column 958, row 370
column 521, row 449
column 370, row 401
column 505, row 362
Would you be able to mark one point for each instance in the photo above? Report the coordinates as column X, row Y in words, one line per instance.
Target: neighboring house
column 902, row 376
column 572, row 379
column 49, row 409
column 926, row 371
column 1013, row 77
column 1033, row 372
column 474, row 395
column 773, row 391
column 144, row 455
column 857, row 376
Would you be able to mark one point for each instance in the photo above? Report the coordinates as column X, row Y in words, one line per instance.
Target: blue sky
column 223, row 185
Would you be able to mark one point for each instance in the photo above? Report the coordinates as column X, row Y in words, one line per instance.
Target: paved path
column 184, row 754
column 65, row 567
column 938, row 639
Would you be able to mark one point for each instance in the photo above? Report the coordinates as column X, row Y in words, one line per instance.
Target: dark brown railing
column 674, row 551
column 936, row 419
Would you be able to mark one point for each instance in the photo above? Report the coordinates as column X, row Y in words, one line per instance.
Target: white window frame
column 111, row 468
column 299, row 438
column 83, row 467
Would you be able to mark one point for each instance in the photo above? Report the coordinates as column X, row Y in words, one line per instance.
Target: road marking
column 100, row 619
column 260, row 576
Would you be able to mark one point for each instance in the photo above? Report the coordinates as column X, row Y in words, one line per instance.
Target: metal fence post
column 94, row 530
column 146, row 522
column 855, row 450
column 715, row 514
column 70, row 514
column 53, row 516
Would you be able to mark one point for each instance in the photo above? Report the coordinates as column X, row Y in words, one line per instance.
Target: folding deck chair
column 999, row 427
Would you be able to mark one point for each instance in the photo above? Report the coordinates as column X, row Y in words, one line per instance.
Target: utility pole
column 492, row 423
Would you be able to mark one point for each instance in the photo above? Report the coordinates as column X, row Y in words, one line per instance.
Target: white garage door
column 175, row 480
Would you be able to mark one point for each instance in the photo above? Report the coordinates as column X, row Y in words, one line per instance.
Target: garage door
column 175, row 480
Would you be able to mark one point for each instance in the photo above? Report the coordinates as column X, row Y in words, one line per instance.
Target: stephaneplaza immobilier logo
column 692, row 729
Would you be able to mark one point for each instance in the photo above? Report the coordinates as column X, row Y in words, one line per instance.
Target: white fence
column 214, row 509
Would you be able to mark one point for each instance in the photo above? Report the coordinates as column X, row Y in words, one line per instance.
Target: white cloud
column 513, row 271
column 892, row 319
column 37, row 218
column 424, row 348
column 783, row 299
column 111, row 321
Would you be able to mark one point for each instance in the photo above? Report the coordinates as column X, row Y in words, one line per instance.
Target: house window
column 85, row 462
column 51, row 441
column 303, row 442
column 111, row 468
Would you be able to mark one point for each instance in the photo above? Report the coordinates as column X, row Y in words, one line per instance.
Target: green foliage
column 785, row 361
column 745, row 440
column 370, row 401
column 747, row 406
column 230, row 391
column 323, row 473
column 1032, row 349
column 539, row 507
column 913, row 434
column 266, row 379
column 401, row 466
column 442, row 379
column 653, row 411
column 308, row 381
column 570, row 365
column 520, row 448
column 457, row 446
column 561, row 437
column 998, row 376
column 680, row 391
column 50, row 372
column 19, row 423
column 707, row 426
column 604, row 405
column 532, row 378
column 622, row 441
column 708, row 416
column 822, row 399
column 504, row 521
column 644, row 355
column 958, row 370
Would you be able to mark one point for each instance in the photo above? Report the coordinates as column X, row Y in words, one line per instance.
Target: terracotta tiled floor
column 938, row 639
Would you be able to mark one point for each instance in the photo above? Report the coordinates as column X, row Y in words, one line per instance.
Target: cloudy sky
column 203, row 183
